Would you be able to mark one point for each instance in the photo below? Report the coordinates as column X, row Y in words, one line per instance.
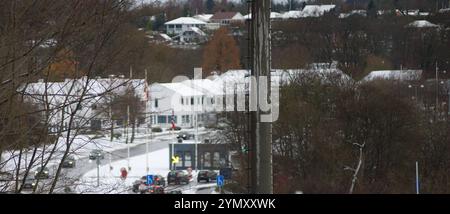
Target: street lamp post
column 98, row 170
column 437, row 84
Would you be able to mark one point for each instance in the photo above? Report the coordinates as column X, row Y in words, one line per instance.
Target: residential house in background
column 182, row 24
column 227, row 18
column 62, row 99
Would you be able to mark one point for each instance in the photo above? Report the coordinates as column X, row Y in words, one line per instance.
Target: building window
column 182, row 101
column 212, row 100
column 206, row 159
column 187, row 159
column 174, row 118
column 188, row 119
column 180, row 162
column 216, row 159
column 192, row 101
column 156, row 103
column 162, row 119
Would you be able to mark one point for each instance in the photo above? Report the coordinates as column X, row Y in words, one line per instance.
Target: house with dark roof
column 227, row 18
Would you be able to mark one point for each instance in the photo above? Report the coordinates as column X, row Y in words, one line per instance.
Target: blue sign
column 149, row 179
column 220, row 180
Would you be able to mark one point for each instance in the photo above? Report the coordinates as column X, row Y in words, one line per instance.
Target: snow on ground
column 81, row 147
column 110, row 181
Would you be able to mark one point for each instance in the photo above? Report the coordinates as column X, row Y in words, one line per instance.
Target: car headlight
column 33, row 184
column 70, row 162
column 45, row 172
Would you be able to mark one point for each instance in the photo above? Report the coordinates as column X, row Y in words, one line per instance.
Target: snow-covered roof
column 353, row 12
column 185, row 21
column 422, row 24
column 197, row 31
column 72, row 89
column 317, row 10
column 182, row 89
column 203, row 17
column 308, row 11
column 165, row 36
column 273, row 15
column 207, row 86
column 293, row 14
column 446, row 10
column 402, row 75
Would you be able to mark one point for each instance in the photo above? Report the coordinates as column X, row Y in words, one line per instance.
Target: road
column 84, row 165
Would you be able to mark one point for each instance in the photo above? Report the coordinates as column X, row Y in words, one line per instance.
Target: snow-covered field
column 110, row 180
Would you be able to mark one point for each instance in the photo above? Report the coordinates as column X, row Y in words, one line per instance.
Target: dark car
column 185, row 136
column 174, row 192
column 138, row 183
column 158, row 180
column 69, row 162
column 29, row 184
column 178, row 177
column 154, row 189
column 96, row 153
column 207, row 176
column 41, row 173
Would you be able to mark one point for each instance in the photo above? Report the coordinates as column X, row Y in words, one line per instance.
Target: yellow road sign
column 175, row 159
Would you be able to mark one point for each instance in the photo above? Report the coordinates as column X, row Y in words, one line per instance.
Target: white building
column 62, row 99
column 182, row 24
column 177, row 100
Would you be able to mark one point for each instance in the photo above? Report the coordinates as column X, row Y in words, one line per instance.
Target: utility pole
column 149, row 129
column 417, row 178
column 261, row 136
column 128, row 141
column 98, row 170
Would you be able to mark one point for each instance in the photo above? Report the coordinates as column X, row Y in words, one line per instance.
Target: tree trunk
column 355, row 174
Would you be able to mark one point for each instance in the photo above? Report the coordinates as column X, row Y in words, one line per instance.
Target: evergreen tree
column 372, row 9
column 210, row 4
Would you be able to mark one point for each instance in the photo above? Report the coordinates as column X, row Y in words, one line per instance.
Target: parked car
column 41, row 173
column 69, row 162
column 157, row 129
column 185, row 136
column 159, row 180
column 6, row 176
column 154, row 189
column 96, row 153
column 207, row 176
column 174, row 192
column 138, row 185
column 29, row 184
column 177, row 177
